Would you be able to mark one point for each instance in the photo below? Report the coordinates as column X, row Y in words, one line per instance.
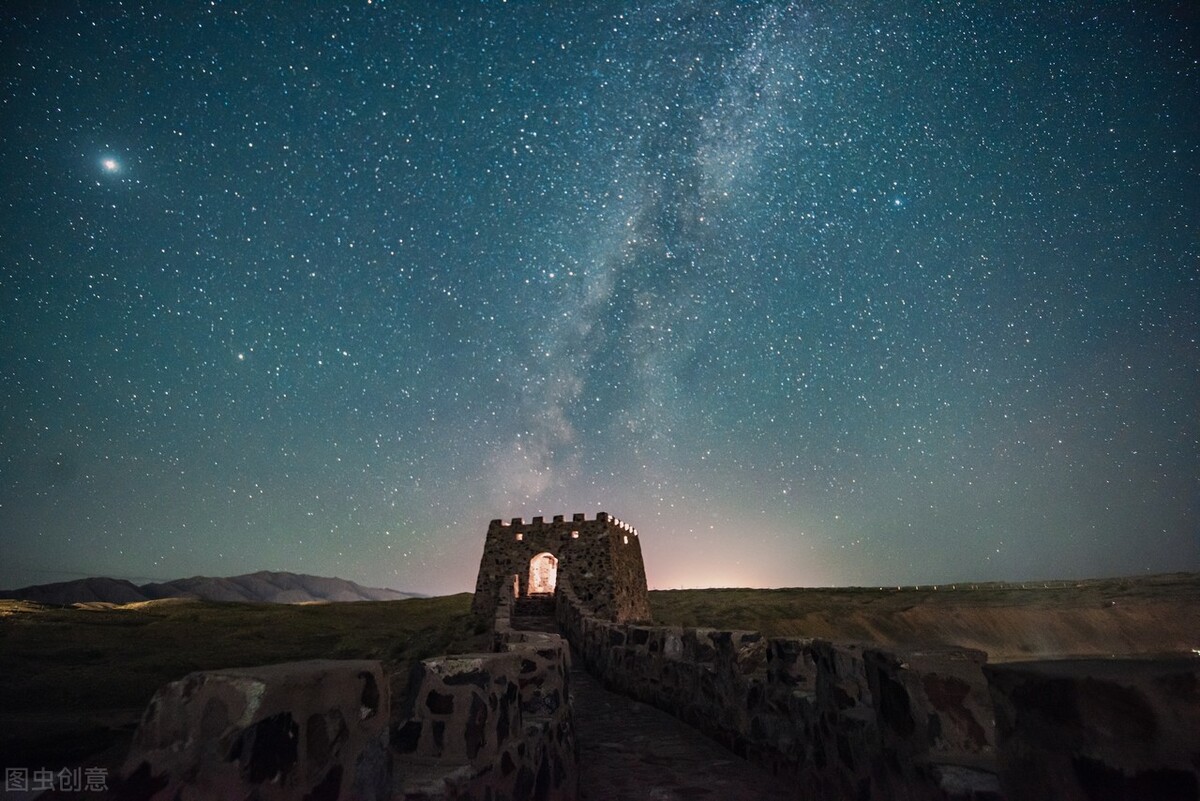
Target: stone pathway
column 629, row 751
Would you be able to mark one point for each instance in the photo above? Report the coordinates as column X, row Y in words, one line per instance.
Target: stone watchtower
column 601, row 558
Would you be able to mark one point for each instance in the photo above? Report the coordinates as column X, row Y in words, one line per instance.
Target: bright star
column 110, row 165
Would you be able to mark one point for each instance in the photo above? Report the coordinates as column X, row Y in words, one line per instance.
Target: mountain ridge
column 263, row 586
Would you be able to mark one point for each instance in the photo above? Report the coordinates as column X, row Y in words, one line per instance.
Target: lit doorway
column 543, row 574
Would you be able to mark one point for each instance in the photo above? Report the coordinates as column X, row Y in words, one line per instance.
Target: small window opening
column 520, row 536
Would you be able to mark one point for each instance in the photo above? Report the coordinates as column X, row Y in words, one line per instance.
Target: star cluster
column 890, row 293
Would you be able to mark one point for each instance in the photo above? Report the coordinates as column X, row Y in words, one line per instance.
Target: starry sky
column 898, row 292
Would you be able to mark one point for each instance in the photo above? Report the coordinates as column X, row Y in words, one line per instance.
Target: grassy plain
column 76, row 679
column 1095, row 617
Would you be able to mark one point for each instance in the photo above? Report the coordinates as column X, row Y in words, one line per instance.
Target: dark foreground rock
column 314, row 730
column 1098, row 728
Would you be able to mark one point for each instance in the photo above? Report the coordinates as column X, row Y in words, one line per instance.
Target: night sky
column 900, row 293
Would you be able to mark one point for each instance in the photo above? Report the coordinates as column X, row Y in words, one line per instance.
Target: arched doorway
column 543, row 573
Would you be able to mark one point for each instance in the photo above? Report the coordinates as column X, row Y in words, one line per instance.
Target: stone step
column 533, row 605
column 534, row 623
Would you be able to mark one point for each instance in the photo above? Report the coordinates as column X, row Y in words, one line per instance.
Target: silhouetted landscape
column 262, row 587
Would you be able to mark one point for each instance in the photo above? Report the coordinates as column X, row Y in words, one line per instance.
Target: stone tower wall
column 602, row 558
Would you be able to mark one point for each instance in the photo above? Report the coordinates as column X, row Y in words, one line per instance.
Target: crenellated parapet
column 578, row 517
column 602, row 556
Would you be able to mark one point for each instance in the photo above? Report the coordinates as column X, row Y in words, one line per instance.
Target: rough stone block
column 1098, row 729
column 313, row 729
column 790, row 663
column 491, row 725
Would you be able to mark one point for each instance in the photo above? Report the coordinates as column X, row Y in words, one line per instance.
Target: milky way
column 899, row 293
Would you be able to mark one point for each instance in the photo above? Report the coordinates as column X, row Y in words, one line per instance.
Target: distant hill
column 261, row 587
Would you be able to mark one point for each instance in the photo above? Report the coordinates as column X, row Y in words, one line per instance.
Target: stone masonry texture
column 602, row 558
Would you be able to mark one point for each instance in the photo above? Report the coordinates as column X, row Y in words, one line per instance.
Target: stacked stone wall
column 493, row 725
column 489, row 725
column 844, row 720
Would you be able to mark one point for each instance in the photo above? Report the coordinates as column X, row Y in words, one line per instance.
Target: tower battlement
column 578, row 517
column 602, row 558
